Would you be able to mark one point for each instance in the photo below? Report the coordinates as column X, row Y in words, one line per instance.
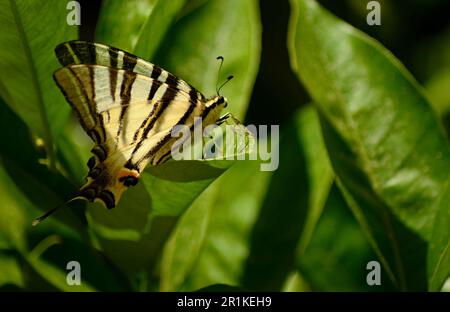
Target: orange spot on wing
column 127, row 173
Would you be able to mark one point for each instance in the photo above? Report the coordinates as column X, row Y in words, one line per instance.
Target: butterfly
column 128, row 107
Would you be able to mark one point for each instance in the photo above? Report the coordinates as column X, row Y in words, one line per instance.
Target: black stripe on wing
column 88, row 120
column 125, row 96
column 83, row 52
column 167, row 155
column 168, row 96
column 166, row 138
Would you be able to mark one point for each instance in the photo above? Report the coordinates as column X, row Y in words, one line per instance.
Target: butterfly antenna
column 51, row 211
column 218, row 88
column 224, row 83
column 218, row 74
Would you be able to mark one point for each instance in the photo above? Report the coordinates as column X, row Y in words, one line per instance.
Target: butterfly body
column 128, row 107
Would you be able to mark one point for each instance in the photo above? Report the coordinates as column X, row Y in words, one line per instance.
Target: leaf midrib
column 36, row 86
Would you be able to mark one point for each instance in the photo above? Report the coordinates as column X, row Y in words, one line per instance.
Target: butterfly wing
column 131, row 120
column 83, row 52
column 128, row 107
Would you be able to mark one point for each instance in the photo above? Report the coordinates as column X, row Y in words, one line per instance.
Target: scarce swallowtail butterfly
column 128, row 107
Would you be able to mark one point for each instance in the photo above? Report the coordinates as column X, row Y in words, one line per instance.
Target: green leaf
column 220, row 288
column 234, row 33
column 14, row 225
column 319, row 172
column 295, row 283
column 437, row 50
column 336, row 258
column 438, row 93
column 21, row 159
column 439, row 250
column 18, row 234
column 11, row 275
column 74, row 151
column 146, row 213
column 318, row 178
column 281, row 225
column 58, row 250
column 136, row 26
column 244, row 230
column 178, row 262
column 133, row 234
column 13, row 222
column 385, row 144
column 24, row 185
column 56, row 276
column 214, row 251
column 28, row 62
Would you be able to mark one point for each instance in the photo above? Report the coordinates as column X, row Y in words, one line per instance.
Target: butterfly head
column 220, row 102
column 214, row 107
column 106, row 185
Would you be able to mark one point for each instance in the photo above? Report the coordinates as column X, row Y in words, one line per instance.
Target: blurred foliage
column 364, row 164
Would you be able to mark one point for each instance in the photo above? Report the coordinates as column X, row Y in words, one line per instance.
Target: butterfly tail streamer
column 51, row 211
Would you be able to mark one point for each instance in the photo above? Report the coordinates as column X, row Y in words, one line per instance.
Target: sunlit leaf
column 250, row 228
column 384, row 141
column 27, row 63
column 133, row 233
column 136, row 26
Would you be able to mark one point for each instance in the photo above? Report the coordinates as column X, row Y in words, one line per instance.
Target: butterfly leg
column 229, row 119
column 222, row 119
